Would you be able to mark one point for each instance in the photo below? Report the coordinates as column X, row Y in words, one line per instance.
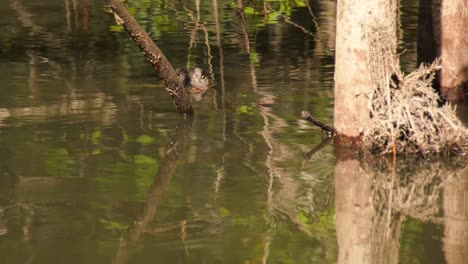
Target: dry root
column 405, row 110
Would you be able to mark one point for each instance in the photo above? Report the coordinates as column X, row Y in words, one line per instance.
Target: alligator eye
column 203, row 77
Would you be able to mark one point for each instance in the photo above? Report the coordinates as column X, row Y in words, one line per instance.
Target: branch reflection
column 162, row 180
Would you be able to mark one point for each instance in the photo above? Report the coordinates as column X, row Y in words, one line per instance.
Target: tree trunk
column 353, row 81
column 454, row 49
column 155, row 56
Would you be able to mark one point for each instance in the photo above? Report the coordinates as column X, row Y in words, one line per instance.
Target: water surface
column 97, row 167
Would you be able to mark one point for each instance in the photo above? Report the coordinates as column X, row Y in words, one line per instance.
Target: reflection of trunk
column 354, row 213
column 368, row 221
column 220, row 174
column 85, row 21
column 456, row 219
column 352, row 75
column 454, row 49
column 155, row 56
column 101, row 107
column 45, row 37
column 161, row 182
column 240, row 5
column 281, row 201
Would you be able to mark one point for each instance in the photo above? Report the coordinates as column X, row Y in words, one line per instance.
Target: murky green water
column 97, row 167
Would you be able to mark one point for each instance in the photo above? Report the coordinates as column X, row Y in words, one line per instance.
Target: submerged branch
column 154, row 55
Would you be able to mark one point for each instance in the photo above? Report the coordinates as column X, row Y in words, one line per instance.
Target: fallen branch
column 306, row 115
column 154, row 55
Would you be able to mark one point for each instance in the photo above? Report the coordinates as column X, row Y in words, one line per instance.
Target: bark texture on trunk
column 454, row 49
column 352, row 75
column 155, row 56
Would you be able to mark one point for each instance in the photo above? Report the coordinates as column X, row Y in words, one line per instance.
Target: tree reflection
column 373, row 199
column 455, row 204
column 163, row 177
